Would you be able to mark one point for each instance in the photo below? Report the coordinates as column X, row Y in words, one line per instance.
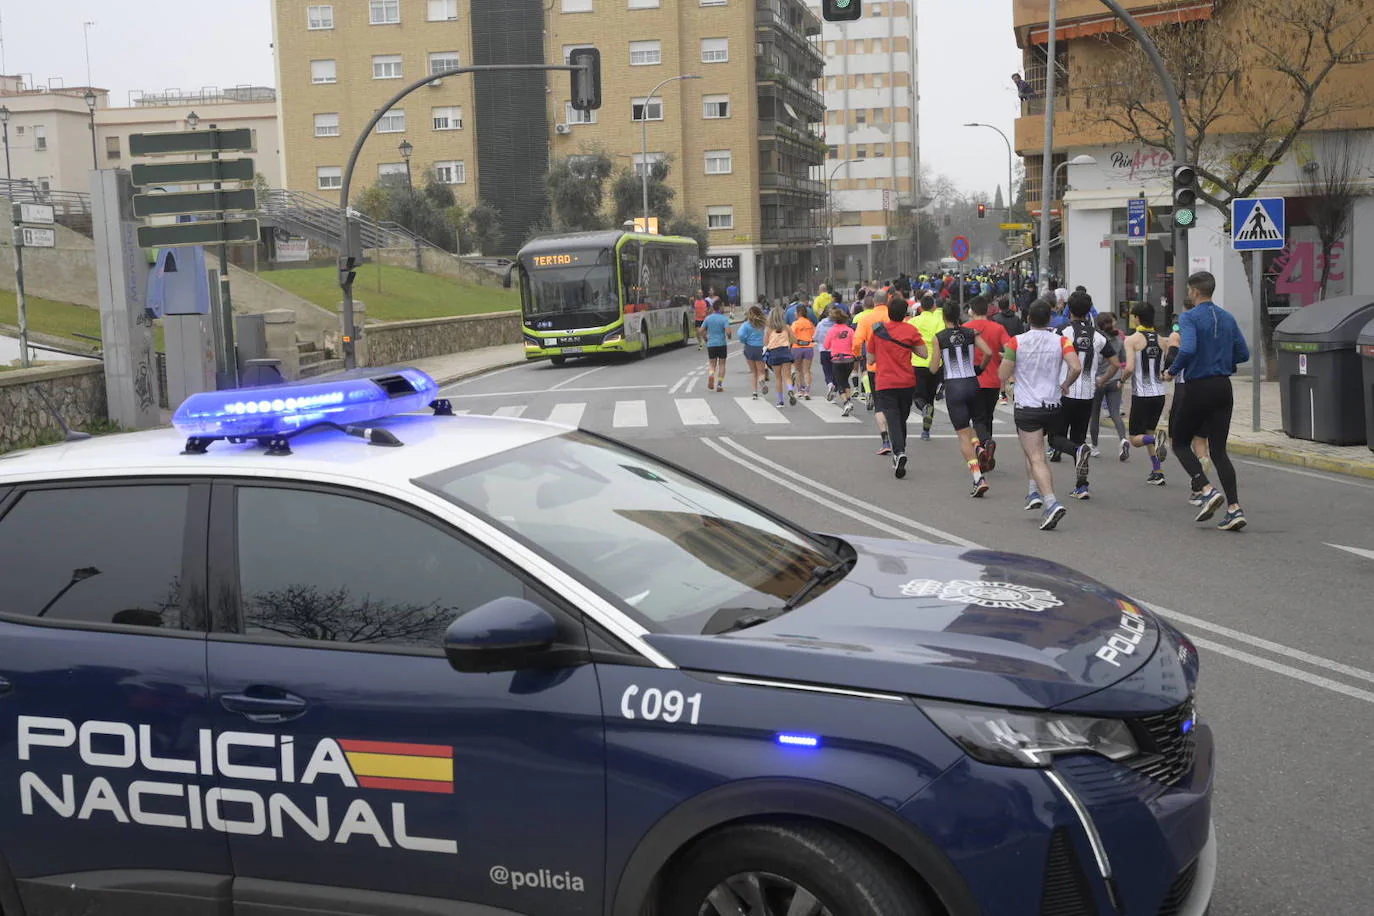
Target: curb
column 463, row 375
column 1350, row 467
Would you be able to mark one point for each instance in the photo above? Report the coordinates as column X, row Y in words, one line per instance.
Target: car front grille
column 1166, row 748
column 1066, row 890
column 1179, row 891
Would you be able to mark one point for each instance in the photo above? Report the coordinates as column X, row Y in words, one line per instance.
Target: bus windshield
column 573, row 283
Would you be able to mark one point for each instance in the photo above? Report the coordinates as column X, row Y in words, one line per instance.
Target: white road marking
column 677, row 385
column 761, row 411
column 855, row 436
column 512, row 411
column 696, row 412
column 1357, row 551
column 691, row 384
column 579, row 375
column 567, row 414
column 809, row 489
column 827, row 411
column 484, row 375
column 1328, row 478
column 510, row 394
column 630, row 413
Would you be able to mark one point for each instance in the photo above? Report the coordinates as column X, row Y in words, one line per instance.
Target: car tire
column 644, row 335
column 558, row 360
column 776, row 862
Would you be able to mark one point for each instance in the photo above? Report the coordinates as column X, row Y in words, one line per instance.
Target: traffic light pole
column 352, row 253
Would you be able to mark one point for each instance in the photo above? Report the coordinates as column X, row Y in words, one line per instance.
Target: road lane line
column 579, row 375
column 827, row 411
column 855, row 436
column 1287, row 671
column 760, row 411
column 630, row 414
column 510, row 394
column 512, row 411
column 567, row 414
column 677, row 385
column 1357, row 551
column 691, row 384
column 696, row 412
column 1301, row 473
column 485, row 375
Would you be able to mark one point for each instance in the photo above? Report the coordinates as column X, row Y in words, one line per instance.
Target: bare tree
column 1328, row 182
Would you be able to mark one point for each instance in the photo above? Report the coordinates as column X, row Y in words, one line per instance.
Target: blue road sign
column 960, row 248
column 1258, row 224
column 1137, row 221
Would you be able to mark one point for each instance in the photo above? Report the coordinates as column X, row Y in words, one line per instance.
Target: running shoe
column 1052, row 515
column 765, row 386
column 991, row 450
column 710, row 384
column 1034, row 501
column 756, row 395
column 1052, row 455
column 1233, row 520
column 1081, row 492
column 848, row 408
column 1195, row 498
column 792, row 397
column 1096, row 452
column 871, row 405
column 720, row 387
column 1082, row 457
column 1156, row 479
column 807, row 396
column 830, row 392
column 885, row 450
column 1161, row 451
column 928, row 416
column 981, row 453
column 1125, row 449
column 1211, row 502
column 899, row 465
column 980, row 486
column 925, row 435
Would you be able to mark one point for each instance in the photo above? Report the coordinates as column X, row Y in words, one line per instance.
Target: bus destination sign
column 555, row 260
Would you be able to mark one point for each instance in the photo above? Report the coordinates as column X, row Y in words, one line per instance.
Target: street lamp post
column 1048, row 197
column 830, row 219
column 408, row 150
column 20, row 305
column 644, row 136
column 90, row 105
column 1011, row 166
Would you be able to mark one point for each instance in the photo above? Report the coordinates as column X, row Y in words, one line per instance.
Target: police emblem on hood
column 1006, row 595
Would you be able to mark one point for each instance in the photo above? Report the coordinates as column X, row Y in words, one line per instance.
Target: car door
column 388, row 776
column 103, row 699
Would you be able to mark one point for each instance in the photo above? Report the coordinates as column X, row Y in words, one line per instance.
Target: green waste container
column 1320, row 382
column 1364, row 345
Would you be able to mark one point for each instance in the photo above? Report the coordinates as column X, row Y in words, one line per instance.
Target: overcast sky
column 967, row 54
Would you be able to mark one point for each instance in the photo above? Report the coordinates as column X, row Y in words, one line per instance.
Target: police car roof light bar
column 347, row 402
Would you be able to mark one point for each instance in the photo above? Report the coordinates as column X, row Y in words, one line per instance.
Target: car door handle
column 5, row 685
column 263, row 707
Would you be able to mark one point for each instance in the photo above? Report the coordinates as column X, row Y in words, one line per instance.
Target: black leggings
column 1206, row 411
column 982, row 419
column 1078, row 413
column 895, row 403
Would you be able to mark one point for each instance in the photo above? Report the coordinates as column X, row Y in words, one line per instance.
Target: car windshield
column 671, row 550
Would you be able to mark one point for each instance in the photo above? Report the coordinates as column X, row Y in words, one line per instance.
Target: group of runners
column 898, row 348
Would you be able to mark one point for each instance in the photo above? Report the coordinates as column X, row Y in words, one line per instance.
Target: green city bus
column 606, row 292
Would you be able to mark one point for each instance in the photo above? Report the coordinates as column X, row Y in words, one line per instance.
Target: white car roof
column 430, row 444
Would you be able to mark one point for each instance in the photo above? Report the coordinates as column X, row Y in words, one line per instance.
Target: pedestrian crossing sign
column 1258, row 224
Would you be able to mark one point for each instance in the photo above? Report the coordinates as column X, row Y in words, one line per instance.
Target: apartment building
column 1092, row 198
column 872, row 130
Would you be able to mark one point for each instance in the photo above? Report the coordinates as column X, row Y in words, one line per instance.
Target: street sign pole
column 20, row 301
column 226, row 304
column 1258, row 225
column 1257, row 362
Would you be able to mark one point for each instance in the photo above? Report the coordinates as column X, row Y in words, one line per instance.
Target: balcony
column 773, row 233
column 776, row 181
column 811, row 98
column 803, row 144
column 769, row 16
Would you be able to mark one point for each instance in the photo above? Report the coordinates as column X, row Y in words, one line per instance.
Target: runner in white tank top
column 1144, row 363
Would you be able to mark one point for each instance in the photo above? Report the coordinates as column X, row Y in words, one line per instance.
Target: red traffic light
column 982, row 211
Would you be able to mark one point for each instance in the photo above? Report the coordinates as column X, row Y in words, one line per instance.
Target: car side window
column 99, row 555
column 322, row 567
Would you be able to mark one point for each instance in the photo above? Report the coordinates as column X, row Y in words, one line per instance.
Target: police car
column 299, row 655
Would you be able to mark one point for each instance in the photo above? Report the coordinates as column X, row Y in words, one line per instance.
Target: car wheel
column 782, row 870
column 644, row 335
column 558, row 360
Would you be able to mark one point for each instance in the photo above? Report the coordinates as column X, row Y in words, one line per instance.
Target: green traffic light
column 1185, row 217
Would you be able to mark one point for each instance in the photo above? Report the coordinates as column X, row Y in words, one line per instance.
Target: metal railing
column 70, row 208
column 777, row 180
column 319, row 220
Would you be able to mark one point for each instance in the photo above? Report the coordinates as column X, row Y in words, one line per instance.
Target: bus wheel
column 686, row 331
column 558, row 360
column 644, row 333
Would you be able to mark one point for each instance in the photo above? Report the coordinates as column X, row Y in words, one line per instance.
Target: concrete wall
column 403, row 341
column 77, row 393
column 63, row 274
column 440, row 263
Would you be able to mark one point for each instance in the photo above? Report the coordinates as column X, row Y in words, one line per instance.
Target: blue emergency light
column 284, row 410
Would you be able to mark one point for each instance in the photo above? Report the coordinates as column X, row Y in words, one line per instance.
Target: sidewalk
column 454, row 367
column 1272, row 443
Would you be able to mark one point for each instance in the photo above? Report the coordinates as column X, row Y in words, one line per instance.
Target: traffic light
column 842, row 10
column 982, row 211
column 586, row 79
column 1185, row 196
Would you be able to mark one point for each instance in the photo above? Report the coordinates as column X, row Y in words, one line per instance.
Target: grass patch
column 396, row 294
column 60, row 319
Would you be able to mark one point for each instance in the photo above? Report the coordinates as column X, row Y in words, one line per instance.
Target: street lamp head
column 973, row 124
column 193, row 120
column 406, row 149
column 1083, row 159
column 90, row 99
column 691, row 76
column 4, row 114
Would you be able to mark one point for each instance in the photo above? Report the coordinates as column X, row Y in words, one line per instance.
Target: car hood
column 975, row 625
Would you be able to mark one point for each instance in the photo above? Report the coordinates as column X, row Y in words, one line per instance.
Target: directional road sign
column 230, row 232
column 1016, row 227
column 28, row 237
column 1137, row 221
column 191, row 141
column 204, row 172
column 1258, row 223
column 42, row 214
column 960, row 248
column 194, row 202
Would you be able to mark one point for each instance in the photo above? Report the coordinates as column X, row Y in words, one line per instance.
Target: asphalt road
column 1282, row 613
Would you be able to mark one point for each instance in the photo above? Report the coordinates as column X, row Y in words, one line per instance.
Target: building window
column 112, row 148
column 393, row 122
column 860, row 152
column 720, row 217
column 639, row 161
column 439, row 61
column 715, row 50
column 860, row 117
column 715, row 106
column 319, row 17
column 573, row 116
column 577, row 6
column 40, row 136
column 713, row 2
column 327, row 125
column 451, row 172
column 646, row 109
column 328, row 177
column 449, row 118
column 443, row 10
column 384, row 12
column 719, row 162
column 643, row 4
column 392, row 168
column 644, row 53
column 834, row 152
column 323, row 71
column 386, row 67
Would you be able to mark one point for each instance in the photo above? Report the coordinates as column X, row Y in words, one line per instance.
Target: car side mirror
column 505, row 634
column 505, row 277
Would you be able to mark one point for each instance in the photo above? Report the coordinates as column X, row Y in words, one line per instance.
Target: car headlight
column 1026, row 739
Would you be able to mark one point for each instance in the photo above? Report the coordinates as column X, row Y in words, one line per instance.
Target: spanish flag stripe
column 401, row 767
column 406, row 785
column 393, row 747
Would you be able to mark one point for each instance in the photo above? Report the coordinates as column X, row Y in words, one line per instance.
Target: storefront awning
column 1031, row 252
column 1191, row 11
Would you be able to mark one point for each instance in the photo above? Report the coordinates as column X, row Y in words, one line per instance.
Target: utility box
column 1320, row 382
column 1364, row 345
